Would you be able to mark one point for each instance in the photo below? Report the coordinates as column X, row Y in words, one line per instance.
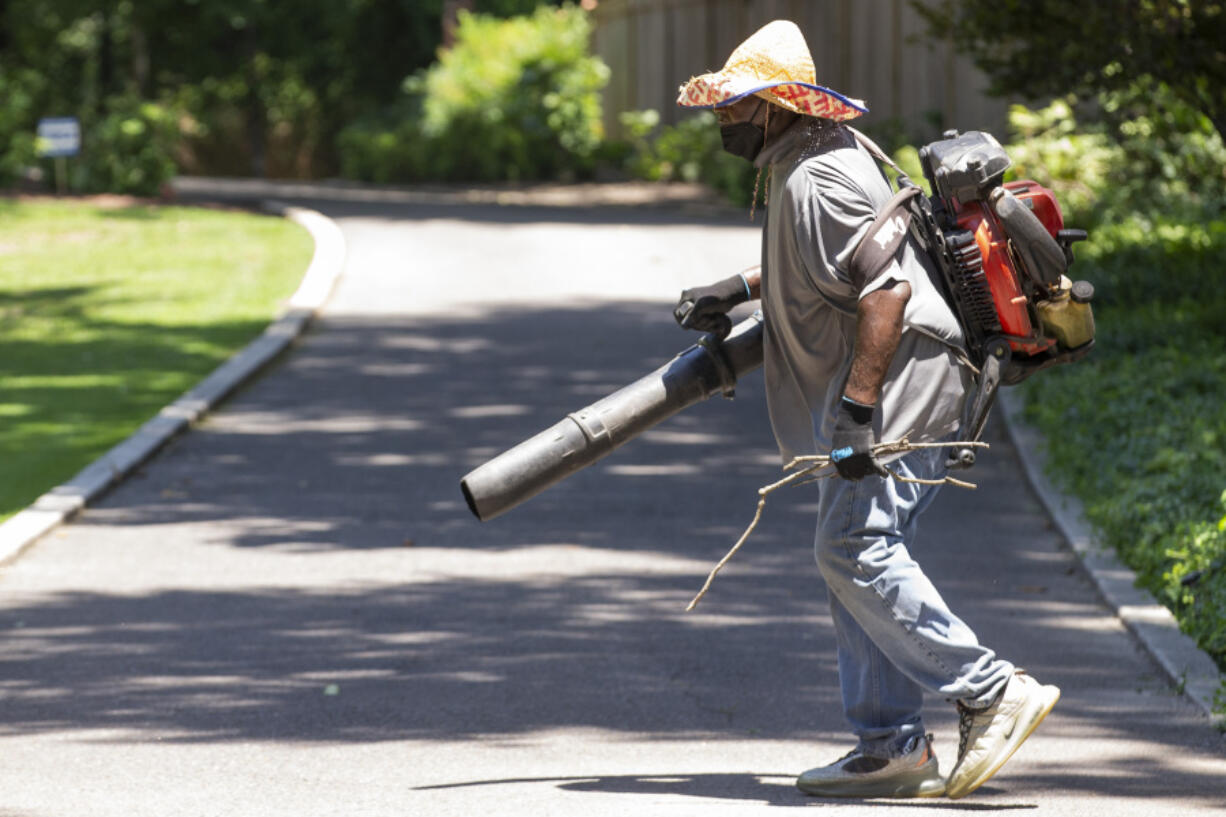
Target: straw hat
column 774, row 64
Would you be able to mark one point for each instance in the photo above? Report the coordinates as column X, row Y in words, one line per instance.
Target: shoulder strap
column 885, row 235
column 876, row 152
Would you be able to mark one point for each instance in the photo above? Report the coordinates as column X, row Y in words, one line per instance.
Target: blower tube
column 707, row 368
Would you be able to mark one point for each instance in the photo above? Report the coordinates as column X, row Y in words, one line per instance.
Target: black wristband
column 860, row 413
column 733, row 290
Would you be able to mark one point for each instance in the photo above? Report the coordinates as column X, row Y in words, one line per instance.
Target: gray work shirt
column 825, row 192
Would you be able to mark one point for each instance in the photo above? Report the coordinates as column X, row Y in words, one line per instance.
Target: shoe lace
column 966, row 718
column 847, row 756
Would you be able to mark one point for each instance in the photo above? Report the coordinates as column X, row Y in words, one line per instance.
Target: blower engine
column 1003, row 254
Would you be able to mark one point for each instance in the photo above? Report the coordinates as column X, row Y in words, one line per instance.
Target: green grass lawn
column 108, row 313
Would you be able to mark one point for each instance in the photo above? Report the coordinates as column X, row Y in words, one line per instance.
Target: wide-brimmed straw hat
column 774, row 64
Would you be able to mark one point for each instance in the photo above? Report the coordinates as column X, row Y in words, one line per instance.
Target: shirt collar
column 798, row 136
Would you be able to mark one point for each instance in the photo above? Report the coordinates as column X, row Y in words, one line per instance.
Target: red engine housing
column 1002, row 269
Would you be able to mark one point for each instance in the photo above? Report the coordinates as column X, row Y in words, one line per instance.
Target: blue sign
column 59, row 136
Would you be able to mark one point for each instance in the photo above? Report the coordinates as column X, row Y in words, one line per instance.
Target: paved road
column 290, row 610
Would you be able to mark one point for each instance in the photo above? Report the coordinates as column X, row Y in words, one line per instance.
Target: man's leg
column 882, row 596
column 863, row 529
column 881, row 704
column 894, row 757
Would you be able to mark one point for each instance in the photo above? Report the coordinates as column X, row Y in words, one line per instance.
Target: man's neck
column 805, row 131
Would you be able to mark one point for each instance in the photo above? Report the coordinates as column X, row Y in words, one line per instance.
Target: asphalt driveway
column 290, row 610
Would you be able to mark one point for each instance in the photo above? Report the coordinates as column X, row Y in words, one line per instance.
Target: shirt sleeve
column 833, row 215
column 891, row 273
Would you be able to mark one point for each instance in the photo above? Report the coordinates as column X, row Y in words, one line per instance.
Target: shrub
column 130, row 149
column 512, row 100
column 1145, row 152
column 270, row 112
column 640, row 159
column 689, row 151
column 294, row 119
column 1049, row 147
column 19, row 90
column 214, row 134
column 1173, row 158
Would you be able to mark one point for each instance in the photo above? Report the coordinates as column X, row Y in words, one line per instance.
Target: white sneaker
column 989, row 737
column 914, row 774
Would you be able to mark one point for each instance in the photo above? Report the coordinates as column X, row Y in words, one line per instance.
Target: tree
column 270, row 83
column 1036, row 48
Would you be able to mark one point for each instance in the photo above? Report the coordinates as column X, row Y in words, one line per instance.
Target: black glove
column 852, row 443
column 706, row 308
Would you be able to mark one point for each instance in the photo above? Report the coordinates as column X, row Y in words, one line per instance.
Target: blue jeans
column 896, row 636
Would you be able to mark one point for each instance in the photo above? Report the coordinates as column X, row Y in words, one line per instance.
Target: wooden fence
column 875, row 50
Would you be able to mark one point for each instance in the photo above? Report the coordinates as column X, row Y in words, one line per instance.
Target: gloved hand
column 705, row 308
column 852, row 442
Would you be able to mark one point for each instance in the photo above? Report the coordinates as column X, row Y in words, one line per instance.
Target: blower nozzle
column 707, row 368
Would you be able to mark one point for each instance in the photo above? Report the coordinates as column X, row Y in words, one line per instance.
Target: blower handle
column 980, row 401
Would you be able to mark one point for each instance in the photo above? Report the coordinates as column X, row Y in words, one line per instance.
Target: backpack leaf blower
column 1001, row 252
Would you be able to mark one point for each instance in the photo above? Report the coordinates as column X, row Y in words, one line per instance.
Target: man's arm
column 878, row 331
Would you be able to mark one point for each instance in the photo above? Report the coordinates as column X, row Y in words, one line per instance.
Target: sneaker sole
column 1015, row 743
column 909, row 788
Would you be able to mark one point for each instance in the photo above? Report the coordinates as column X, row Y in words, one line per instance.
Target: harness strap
column 883, row 239
column 886, row 235
column 876, row 152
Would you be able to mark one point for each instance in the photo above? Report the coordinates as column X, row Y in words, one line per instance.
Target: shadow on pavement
column 439, row 660
column 771, row 789
column 565, row 613
column 401, row 409
column 747, row 787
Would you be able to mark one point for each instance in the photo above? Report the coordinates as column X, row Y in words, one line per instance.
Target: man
column 853, row 357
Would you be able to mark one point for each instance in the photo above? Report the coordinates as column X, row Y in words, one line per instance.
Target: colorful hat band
column 801, row 97
column 775, row 64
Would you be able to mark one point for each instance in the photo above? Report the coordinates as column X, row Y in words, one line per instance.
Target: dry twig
column 813, row 464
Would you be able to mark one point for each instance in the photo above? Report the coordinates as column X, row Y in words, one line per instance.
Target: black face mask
column 744, row 139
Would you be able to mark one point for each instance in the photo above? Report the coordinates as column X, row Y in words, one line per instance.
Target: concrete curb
column 1190, row 669
column 66, row 500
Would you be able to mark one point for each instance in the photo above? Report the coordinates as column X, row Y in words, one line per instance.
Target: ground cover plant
column 108, row 313
column 1138, row 430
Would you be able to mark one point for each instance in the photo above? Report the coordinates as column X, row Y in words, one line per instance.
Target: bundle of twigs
column 805, row 470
